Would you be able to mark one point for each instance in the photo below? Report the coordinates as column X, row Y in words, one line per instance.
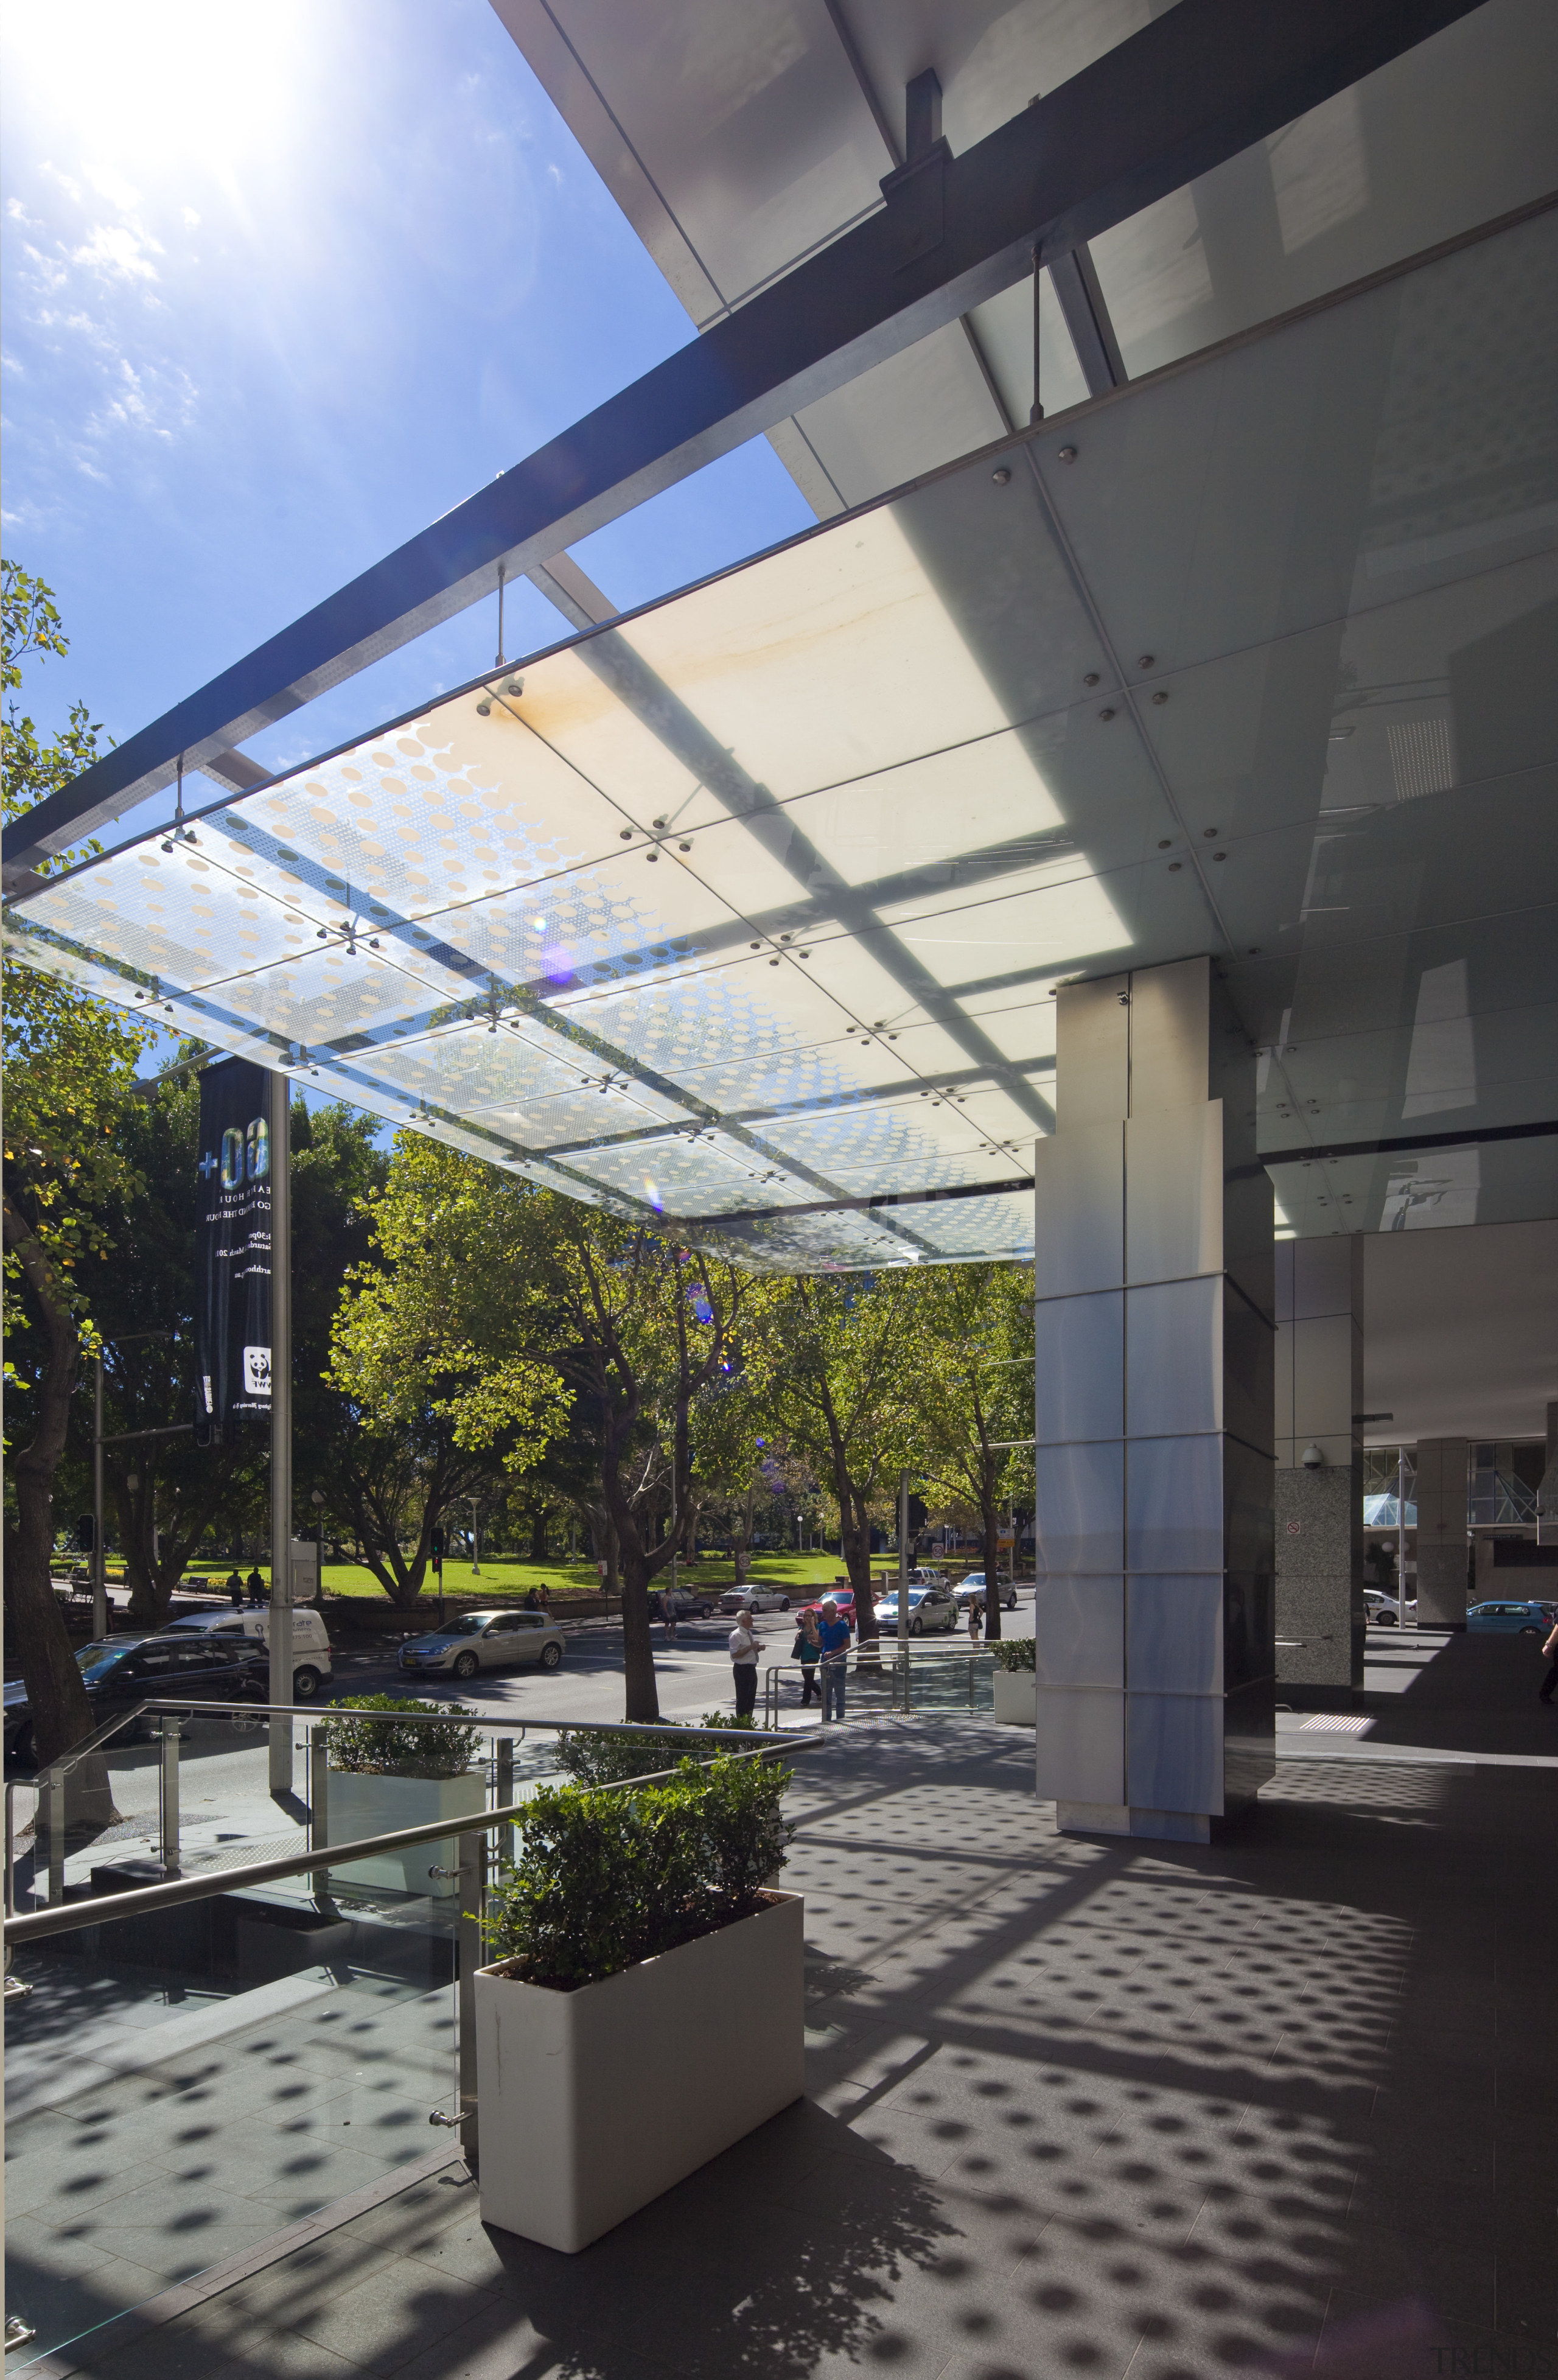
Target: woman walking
column 807, row 1650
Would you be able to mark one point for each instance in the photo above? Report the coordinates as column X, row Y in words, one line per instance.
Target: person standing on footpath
column 743, row 1662
column 833, row 1635
column 808, row 1652
column 1550, row 1651
column 235, row 1590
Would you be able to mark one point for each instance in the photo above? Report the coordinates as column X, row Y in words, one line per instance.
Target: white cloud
column 116, row 252
column 114, row 188
column 52, row 173
column 190, row 217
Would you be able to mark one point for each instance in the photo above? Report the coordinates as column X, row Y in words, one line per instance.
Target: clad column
column 1154, row 1413
column 1442, row 1531
column 1320, row 1626
column 281, row 1427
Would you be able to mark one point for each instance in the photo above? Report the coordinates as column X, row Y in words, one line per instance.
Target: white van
column 311, row 1667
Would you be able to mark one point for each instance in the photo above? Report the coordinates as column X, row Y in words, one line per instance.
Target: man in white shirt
column 743, row 1662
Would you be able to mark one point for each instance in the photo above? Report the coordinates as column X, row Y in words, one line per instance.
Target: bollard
column 52, row 1800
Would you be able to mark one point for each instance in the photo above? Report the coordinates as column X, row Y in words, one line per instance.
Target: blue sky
column 280, row 288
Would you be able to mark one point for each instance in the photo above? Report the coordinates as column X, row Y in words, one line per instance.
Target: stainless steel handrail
column 70, row 1917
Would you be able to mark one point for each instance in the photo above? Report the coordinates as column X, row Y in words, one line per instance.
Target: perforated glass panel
column 749, row 909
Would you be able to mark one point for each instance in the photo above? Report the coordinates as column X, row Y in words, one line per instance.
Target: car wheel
column 1011, row 1603
column 705, row 1610
column 784, row 1603
column 305, row 1685
column 467, row 1665
column 916, row 1628
column 551, row 1656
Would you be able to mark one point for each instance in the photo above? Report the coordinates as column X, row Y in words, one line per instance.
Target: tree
column 432, row 1350
column 643, row 1328
column 69, row 1060
column 977, row 1383
column 848, row 1353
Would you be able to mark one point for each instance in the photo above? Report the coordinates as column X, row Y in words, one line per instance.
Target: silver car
column 929, row 1607
column 973, row 1589
column 485, row 1640
column 761, row 1598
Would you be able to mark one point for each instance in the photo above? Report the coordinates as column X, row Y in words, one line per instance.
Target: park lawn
column 502, row 1576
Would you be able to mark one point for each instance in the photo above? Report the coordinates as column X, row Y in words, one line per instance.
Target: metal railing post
column 53, row 1800
column 319, row 1789
column 472, row 1885
column 168, row 1797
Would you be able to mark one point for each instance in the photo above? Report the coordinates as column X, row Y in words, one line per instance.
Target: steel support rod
column 319, row 1790
column 281, row 1427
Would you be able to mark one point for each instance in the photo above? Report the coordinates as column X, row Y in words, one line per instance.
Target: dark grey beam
column 1195, row 88
column 1075, row 284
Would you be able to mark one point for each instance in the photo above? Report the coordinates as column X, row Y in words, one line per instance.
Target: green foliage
column 603, row 1881
column 401, row 1743
column 611, row 1759
column 1015, row 1653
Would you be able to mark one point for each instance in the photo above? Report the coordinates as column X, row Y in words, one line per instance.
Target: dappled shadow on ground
column 1281, row 2104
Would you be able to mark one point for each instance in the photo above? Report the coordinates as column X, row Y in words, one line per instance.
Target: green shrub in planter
column 1015, row 1653
column 398, row 1745
column 610, row 1759
column 602, row 1881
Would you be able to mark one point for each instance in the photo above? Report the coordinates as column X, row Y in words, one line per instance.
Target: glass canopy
column 748, row 909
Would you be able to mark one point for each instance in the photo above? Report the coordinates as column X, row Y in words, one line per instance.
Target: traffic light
column 438, row 1550
column 86, row 1533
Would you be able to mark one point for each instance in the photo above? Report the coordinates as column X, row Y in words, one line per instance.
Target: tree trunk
column 856, row 1537
column 641, row 1700
column 990, row 1523
column 61, row 1714
column 539, row 1536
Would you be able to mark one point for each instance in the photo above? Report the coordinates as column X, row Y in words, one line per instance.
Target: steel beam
column 1195, row 87
column 1075, row 284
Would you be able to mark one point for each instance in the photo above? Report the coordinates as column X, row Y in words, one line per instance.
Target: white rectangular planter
column 1017, row 1697
column 361, row 1805
column 591, row 2103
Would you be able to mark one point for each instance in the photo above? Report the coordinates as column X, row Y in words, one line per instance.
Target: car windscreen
column 471, row 1624
column 96, row 1660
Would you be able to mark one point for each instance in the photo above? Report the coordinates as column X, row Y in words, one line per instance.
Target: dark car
column 120, row 1671
column 681, row 1602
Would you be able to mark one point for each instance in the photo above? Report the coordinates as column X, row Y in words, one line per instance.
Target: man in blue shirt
column 833, row 1635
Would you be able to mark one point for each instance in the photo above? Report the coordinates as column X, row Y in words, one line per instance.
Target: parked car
column 972, row 1589
column 312, row 1669
column 1530, row 1618
column 681, row 1602
column 761, row 1598
column 119, row 1672
column 843, row 1596
column 929, row 1607
column 485, row 1640
column 1383, row 1611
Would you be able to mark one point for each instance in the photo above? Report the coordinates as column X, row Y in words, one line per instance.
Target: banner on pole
column 233, row 1252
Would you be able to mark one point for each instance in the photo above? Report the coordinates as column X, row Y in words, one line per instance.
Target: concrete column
column 1319, row 1506
column 1441, row 1540
column 1154, row 1413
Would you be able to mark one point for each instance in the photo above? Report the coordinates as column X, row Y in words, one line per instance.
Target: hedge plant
column 610, row 1758
column 602, row 1881
column 1014, row 1653
column 400, row 1743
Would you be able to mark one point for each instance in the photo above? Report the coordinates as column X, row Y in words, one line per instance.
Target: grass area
column 502, row 1576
